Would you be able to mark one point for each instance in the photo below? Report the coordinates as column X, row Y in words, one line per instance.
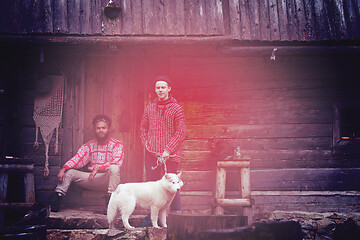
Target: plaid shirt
column 163, row 128
column 99, row 156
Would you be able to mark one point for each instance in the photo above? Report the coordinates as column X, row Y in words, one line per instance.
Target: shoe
column 54, row 201
column 146, row 222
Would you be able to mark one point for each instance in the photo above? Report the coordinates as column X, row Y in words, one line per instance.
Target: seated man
column 105, row 155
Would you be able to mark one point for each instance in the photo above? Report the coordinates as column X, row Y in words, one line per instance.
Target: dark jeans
column 157, row 173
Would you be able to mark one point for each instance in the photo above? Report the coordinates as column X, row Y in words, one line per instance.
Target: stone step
column 83, row 219
column 81, row 224
column 100, row 234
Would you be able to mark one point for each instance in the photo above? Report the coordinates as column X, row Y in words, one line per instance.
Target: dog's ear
column 179, row 174
column 167, row 176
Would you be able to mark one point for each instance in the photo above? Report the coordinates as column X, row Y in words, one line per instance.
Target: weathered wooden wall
column 279, row 112
column 268, row 20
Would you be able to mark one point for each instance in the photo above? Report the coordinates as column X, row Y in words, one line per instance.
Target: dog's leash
column 159, row 160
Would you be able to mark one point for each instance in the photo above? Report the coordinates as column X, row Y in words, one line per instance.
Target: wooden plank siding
column 279, row 112
column 266, row 20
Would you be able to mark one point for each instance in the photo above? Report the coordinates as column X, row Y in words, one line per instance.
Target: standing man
column 105, row 157
column 163, row 131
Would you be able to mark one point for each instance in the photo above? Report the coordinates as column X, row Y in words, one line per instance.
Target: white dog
column 156, row 196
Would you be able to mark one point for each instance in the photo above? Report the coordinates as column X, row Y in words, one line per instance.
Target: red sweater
column 99, row 156
column 163, row 128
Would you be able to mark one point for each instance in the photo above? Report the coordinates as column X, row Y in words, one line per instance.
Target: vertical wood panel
column 195, row 17
column 5, row 20
column 60, row 16
column 69, row 116
column 48, row 16
column 245, row 29
column 352, row 19
column 338, row 22
column 310, row 28
column 85, row 16
column 138, row 27
column 265, row 20
column 300, row 13
column 292, row 20
column 26, row 16
column 254, row 6
column 37, row 16
column 174, row 17
column 126, row 17
column 153, row 17
column 274, row 21
column 214, row 17
column 74, row 16
column 94, row 89
column 322, row 20
column 96, row 9
column 220, row 23
column 16, row 18
column 283, row 20
column 73, row 119
column 200, row 13
column 234, row 8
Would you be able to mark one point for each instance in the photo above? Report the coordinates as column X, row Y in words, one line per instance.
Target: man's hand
column 61, row 174
column 92, row 174
column 165, row 156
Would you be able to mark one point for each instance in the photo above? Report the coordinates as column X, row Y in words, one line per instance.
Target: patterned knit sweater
column 100, row 156
column 163, row 128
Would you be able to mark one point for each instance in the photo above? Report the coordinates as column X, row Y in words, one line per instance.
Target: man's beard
column 102, row 139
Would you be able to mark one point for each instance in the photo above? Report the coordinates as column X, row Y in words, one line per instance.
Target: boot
column 54, row 201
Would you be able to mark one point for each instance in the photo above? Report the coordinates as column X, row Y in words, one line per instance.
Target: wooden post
column 29, row 187
column 246, row 192
column 3, row 192
column 220, row 189
column 3, row 186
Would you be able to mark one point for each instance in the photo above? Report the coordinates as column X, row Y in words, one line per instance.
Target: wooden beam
column 233, row 164
column 302, row 193
column 18, row 206
column 277, row 193
column 16, row 168
column 240, row 202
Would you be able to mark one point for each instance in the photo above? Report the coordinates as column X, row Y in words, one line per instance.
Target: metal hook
column 273, row 54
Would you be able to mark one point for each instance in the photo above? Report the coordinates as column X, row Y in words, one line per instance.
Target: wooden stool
column 243, row 166
column 15, row 166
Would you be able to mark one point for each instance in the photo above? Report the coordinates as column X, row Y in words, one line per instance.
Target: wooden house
column 277, row 78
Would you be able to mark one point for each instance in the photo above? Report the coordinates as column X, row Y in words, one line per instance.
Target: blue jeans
column 157, row 173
